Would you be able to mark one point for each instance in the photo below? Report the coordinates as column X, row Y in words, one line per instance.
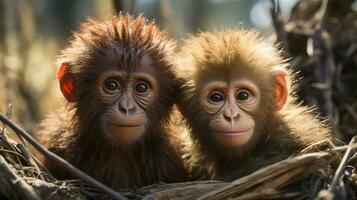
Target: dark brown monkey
column 117, row 77
column 238, row 103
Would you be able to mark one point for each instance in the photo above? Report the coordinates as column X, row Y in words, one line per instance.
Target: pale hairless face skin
column 126, row 96
column 228, row 104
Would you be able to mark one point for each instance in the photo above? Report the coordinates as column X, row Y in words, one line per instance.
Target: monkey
column 237, row 100
column 118, row 82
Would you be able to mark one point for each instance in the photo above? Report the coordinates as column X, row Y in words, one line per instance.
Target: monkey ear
column 65, row 79
column 281, row 89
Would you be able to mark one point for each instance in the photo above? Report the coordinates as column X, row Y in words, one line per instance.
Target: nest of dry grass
column 321, row 37
column 320, row 171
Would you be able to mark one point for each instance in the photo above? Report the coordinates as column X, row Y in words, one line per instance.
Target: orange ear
column 66, row 82
column 281, row 90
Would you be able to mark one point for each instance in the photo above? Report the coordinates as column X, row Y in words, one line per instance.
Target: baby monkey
column 117, row 78
column 236, row 97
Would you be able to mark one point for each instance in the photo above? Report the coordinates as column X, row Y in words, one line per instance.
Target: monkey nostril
column 236, row 116
column 123, row 108
column 228, row 118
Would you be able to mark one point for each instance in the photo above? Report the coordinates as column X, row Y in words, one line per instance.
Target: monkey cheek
column 234, row 141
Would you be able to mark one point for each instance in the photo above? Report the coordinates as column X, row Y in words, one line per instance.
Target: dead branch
column 22, row 189
column 267, row 174
column 60, row 161
column 341, row 167
column 279, row 26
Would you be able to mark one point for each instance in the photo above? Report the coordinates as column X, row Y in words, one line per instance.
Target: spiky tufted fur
column 243, row 54
column 75, row 131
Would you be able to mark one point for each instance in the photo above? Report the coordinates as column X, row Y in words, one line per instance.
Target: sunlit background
column 32, row 32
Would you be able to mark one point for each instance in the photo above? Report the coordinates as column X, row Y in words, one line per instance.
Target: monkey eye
column 111, row 85
column 243, row 95
column 141, row 87
column 216, row 97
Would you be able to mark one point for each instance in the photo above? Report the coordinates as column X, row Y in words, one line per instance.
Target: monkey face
column 127, row 99
column 229, row 105
column 126, row 96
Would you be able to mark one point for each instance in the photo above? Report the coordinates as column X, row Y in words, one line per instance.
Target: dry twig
column 60, row 161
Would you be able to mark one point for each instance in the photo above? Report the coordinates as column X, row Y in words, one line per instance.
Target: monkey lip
column 233, row 133
column 132, row 122
column 126, row 125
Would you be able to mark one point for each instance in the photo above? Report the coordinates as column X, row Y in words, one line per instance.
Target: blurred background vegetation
column 32, row 32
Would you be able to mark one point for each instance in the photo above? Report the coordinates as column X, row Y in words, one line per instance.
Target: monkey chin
column 233, row 139
column 124, row 134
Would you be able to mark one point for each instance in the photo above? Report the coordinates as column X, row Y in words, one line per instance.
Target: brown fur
column 278, row 135
column 76, row 131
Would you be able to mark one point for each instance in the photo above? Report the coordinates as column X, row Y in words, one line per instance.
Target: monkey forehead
column 230, row 74
column 126, row 60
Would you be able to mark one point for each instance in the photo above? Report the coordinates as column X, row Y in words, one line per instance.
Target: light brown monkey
column 117, row 77
column 237, row 101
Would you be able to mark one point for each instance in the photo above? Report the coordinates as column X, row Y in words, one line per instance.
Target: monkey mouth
column 124, row 133
column 232, row 133
column 126, row 125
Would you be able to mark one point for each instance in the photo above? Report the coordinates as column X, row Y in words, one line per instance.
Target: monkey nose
column 230, row 117
column 126, row 107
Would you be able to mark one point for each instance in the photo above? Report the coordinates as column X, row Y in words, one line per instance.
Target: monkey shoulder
column 56, row 130
column 169, row 153
column 304, row 126
column 56, row 133
column 198, row 165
